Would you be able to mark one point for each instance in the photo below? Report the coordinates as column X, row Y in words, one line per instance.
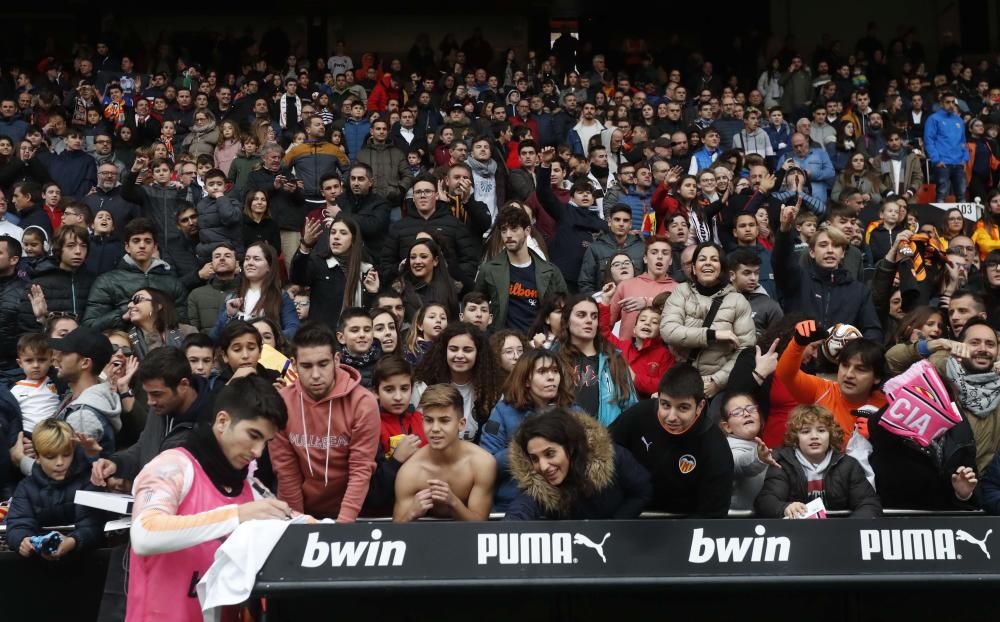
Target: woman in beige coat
column 711, row 349
column 203, row 137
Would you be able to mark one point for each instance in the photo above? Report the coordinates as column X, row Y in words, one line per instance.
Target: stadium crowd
column 458, row 282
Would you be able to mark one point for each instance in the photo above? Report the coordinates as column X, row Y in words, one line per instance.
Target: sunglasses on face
column 125, row 350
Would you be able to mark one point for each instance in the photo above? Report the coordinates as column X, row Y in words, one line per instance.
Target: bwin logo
column 727, row 550
column 534, row 548
column 350, row 554
column 917, row 544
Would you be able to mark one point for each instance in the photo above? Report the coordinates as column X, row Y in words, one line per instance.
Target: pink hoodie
column 642, row 285
column 325, row 456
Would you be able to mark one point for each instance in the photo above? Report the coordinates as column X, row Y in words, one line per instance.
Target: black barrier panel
column 324, row 557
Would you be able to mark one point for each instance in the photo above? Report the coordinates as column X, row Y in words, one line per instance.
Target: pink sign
column 920, row 407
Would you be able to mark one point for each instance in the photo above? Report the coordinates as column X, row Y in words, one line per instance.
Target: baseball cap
column 86, row 342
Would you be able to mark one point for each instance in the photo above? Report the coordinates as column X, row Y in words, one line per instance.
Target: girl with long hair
column 544, row 332
column 424, row 278
column 859, row 173
column 602, row 379
column 954, row 223
column 228, row 146
column 923, row 323
column 336, row 274
column 538, row 382
column 259, row 293
column 461, row 356
column 428, row 322
column 385, row 330
column 568, row 468
column 258, row 225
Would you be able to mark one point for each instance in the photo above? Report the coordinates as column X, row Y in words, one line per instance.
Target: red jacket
column 410, row 422
column 649, row 361
column 379, row 98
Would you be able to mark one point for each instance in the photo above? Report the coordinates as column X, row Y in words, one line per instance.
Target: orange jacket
column 808, row 389
column 986, row 240
column 994, row 162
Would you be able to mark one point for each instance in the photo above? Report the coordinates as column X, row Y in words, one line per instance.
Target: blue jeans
column 950, row 179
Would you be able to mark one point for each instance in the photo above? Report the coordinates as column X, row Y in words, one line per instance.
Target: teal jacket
column 610, row 408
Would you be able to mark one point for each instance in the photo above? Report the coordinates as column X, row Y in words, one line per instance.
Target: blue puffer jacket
column 40, row 501
column 497, row 433
column 355, row 133
column 944, row 134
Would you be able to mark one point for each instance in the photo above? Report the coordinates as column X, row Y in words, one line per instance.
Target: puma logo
column 579, row 538
column 965, row 536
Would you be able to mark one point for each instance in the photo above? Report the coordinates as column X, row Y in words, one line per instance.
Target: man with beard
column 873, row 140
column 901, row 169
column 606, row 246
column 970, row 367
column 488, row 177
column 391, row 173
column 204, row 302
column 517, row 280
column 363, row 204
column 107, row 195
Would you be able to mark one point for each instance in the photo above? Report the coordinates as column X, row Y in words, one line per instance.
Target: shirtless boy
column 448, row 477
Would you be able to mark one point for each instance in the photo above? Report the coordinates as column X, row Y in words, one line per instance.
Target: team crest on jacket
column 686, row 464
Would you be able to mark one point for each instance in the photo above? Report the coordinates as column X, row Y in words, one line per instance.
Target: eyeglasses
column 618, row 265
column 125, row 350
column 423, row 192
column 301, row 304
column 963, row 248
column 102, row 142
column 745, row 411
column 992, row 266
column 137, row 299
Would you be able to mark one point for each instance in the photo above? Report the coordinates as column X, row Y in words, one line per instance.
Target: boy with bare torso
column 448, row 477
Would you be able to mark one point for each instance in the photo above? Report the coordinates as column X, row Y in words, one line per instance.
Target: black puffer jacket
column 372, row 215
column 844, row 486
column 829, row 296
column 40, row 501
column 160, row 204
column 12, row 292
column 103, row 253
column 111, row 292
column 65, row 291
column 461, row 248
column 219, row 220
column 326, row 286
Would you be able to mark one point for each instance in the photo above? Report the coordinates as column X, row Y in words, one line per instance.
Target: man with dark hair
column 73, row 169
column 110, row 295
column 681, row 446
column 12, row 292
column 27, row 200
column 744, row 274
column 370, row 209
column 202, row 484
column 902, row 170
column 945, row 137
column 392, row 175
column 517, row 280
column 176, row 399
column 324, row 459
column 432, row 211
column 746, row 233
column 313, row 159
column 617, row 240
column 524, row 179
column 489, row 176
column 204, row 302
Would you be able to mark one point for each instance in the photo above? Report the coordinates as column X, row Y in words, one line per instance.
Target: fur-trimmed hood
column 600, row 467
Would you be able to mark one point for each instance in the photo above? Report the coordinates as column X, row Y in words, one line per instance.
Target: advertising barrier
column 585, row 553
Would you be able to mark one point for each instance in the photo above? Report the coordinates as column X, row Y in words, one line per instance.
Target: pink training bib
column 161, row 588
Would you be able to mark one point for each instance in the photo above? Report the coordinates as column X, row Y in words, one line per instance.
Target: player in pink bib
column 187, row 500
